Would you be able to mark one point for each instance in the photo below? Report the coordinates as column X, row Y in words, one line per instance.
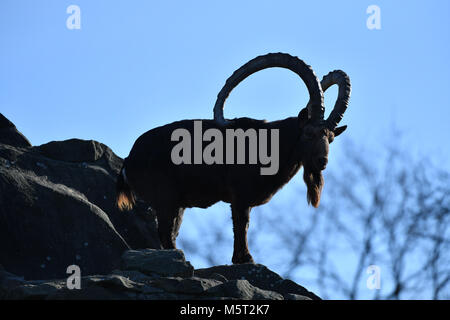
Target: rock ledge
column 151, row 274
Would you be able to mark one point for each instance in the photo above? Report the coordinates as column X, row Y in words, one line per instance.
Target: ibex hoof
column 242, row 258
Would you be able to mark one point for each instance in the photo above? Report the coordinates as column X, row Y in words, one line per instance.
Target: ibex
column 150, row 174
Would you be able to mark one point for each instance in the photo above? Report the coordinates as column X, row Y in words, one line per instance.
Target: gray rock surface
column 192, row 285
column 10, row 135
column 257, row 275
column 57, row 208
column 169, row 263
column 157, row 284
column 242, row 289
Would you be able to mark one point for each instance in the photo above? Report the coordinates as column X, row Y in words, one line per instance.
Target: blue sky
column 135, row 65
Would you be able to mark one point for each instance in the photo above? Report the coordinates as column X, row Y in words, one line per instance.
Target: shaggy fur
column 125, row 197
column 314, row 183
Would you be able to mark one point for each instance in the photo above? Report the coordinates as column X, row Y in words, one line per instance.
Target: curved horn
column 340, row 78
column 282, row 60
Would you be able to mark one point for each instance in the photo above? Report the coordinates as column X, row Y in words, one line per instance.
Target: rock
column 286, row 286
column 217, row 276
column 113, row 282
column 39, row 218
column 192, row 285
column 93, row 287
column 91, row 293
column 256, row 274
column 35, row 291
column 73, row 150
column 132, row 284
column 10, row 135
column 53, row 206
column 8, row 281
column 169, row 263
column 242, row 289
column 133, row 274
column 259, row 276
column 292, row 296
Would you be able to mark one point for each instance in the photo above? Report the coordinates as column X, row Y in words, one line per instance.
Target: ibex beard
column 314, row 183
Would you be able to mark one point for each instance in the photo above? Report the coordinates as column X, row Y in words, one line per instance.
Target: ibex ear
column 339, row 130
column 303, row 117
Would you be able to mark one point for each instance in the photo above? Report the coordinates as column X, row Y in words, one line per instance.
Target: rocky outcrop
column 10, row 135
column 261, row 277
column 57, row 208
column 162, row 274
column 164, row 263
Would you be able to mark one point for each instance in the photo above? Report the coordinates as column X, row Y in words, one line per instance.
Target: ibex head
column 315, row 133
